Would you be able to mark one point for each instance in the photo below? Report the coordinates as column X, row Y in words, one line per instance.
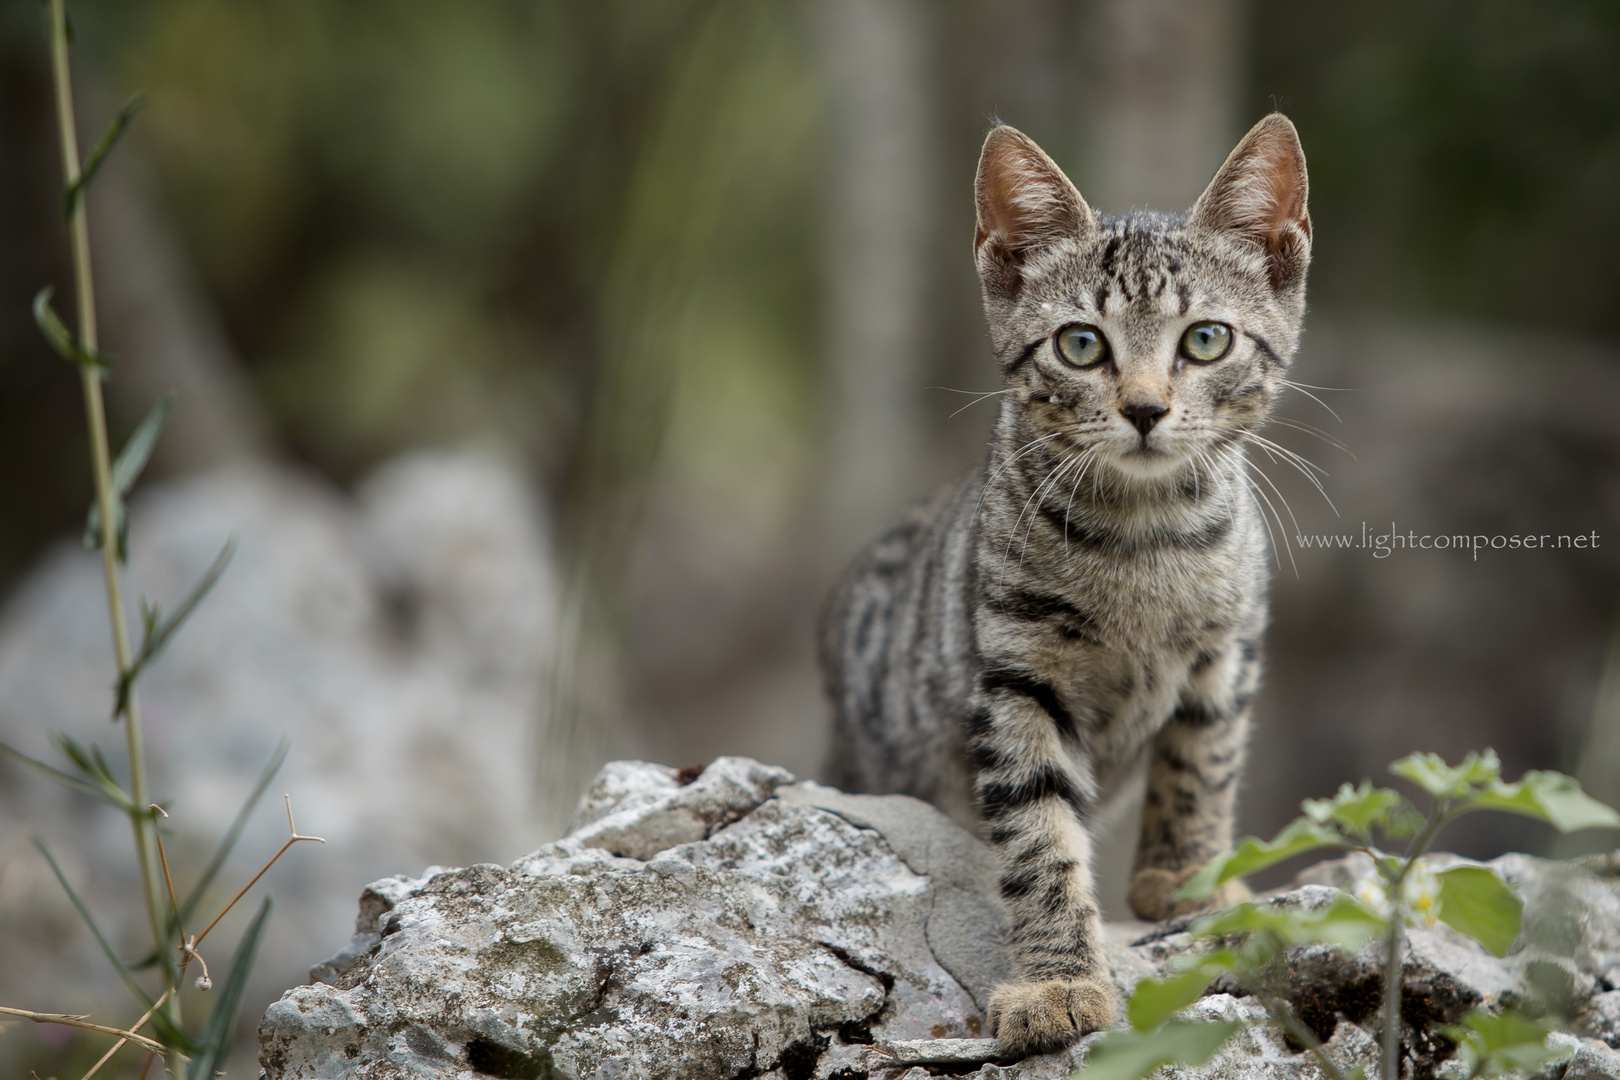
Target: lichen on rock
column 734, row 923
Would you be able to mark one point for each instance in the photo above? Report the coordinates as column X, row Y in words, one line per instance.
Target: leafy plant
column 1248, row 944
column 197, row 1056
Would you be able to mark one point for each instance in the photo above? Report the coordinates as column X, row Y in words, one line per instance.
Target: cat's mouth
column 1146, row 458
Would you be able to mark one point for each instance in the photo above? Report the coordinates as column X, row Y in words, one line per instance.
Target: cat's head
column 1149, row 337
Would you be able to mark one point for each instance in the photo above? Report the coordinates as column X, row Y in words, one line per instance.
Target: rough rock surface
column 734, row 923
column 397, row 637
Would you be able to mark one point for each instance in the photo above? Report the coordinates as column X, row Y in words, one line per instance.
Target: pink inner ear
column 1023, row 200
column 1260, row 191
column 1000, row 212
column 1287, row 196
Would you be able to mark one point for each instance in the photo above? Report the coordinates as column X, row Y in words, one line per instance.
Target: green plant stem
column 101, row 461
column 1438, row 817
column 1392, row 999
column 1282, row 1014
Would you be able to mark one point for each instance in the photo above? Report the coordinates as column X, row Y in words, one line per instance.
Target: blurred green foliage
column 526, row 222
column 1464, row 155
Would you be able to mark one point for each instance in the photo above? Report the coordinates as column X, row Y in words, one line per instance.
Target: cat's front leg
column 1193, row 770
column 1036, row 798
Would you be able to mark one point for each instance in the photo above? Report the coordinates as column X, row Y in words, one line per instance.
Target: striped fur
column 1094, row 593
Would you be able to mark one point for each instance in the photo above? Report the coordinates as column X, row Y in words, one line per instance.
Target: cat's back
column 896, row 648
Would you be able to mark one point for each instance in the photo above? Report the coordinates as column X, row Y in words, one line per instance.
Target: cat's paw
column 1034, row 1017
column 1153, row 894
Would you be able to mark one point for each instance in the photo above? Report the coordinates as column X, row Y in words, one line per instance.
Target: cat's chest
column 1155, row 602
column 1148, row 620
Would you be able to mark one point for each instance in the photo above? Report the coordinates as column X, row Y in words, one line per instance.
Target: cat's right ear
column 1025, row 204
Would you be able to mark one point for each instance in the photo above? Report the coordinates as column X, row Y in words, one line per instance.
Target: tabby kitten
column 1094, row 594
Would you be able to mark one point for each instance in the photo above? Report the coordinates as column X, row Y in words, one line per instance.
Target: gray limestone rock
column 1601, row 1018
column 637, row 809
column 1593, row 1061
column 730, row 922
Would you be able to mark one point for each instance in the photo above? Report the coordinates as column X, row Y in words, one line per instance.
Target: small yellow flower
column 1422, row 896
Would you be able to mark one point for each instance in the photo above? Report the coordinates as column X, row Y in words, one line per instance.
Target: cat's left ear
column 1259, row 194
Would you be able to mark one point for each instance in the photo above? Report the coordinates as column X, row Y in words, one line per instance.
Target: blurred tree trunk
column 674, row 192
column 1163, row 112
column 883, row 210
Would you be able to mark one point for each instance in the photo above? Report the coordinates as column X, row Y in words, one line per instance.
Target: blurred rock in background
column 398, row 638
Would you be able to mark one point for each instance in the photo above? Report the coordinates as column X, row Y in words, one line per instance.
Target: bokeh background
column 698, row 271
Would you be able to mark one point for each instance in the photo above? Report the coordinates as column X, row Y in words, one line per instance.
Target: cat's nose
column 1144, row 414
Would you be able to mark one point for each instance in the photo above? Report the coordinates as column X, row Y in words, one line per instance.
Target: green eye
column 1082, row 345
column 1206, row 341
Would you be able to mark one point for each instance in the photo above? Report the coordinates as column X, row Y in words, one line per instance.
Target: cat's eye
column 1082, row 345
column 1206, row 341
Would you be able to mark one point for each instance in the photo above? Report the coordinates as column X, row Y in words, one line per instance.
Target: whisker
column 1226, row 498
column 1330, row 389
column 1298, row 463
column 1034, row 497
column 1004, row 466
column 1261, row 440
column 1239, row 464
column 978, row 396
column 1087, row 459
column 1301, row 387
column 1284, row 500
column 1276, row 491
column 1309, row 429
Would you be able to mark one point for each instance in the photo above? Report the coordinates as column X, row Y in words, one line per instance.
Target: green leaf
column 214, row 1041
column 93, row 765
column 1510, row 1042
column 125, row 471
column 1130, row 1055
column 67, row 780
column 1154, row 1000
column 1432, row 774
column 160, row 630
column 1548, row 796
column 1360, row 809
column 1300, row 835
column 98, row 152
column 119, row 966
column 1476, row 902
column 67, row 345
column 1345, row 924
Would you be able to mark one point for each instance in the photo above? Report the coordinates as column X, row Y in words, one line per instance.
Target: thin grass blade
column 166, row 627
column 51, row 772
column 60, row 338
column 89, row 920
column 98, row 152
column 160, row 630
column 94, row 766
column 125, row 471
